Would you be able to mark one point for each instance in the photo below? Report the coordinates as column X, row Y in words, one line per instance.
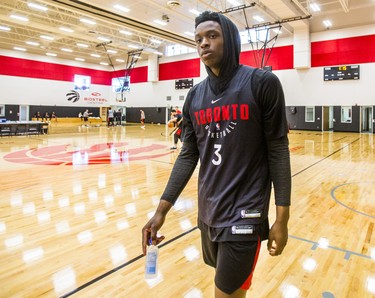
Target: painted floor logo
column 105, row 153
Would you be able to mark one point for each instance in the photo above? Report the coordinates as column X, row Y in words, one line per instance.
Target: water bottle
column 151, row 270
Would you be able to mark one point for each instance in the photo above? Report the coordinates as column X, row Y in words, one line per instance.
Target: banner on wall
column 86, row 98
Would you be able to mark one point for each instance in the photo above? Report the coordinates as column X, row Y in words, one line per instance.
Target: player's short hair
column 207, row 16
column 173, row 111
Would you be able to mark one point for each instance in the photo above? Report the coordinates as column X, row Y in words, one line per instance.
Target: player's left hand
column 278, row 238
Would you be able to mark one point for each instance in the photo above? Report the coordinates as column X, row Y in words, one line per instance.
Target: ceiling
column 124, row 31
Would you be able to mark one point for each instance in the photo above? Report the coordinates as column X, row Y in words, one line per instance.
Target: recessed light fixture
column 327, row 23
column 66, row 50
column 19, row 49
column 125, row 32
column 4, row 28
column 47, row 37
column 104, row 63
column 315, row 7
column 82, row 45
column 37, row 6
column 258, row 18
column 87, row 21
column 66, row 29
column 32, row 43
column 122, row 8
column 120, row 60
column 104, row 39
column 194, row 11
column 112, row 51
column 51, row 54
column 95, row 55
column 155, row 41
column 160, row 22
column 20, row 18
column 79, row 59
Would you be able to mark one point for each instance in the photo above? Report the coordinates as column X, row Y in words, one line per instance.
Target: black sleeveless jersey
column 231, row 130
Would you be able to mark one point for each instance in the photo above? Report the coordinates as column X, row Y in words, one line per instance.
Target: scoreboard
column 344, row 72
column 184, row 84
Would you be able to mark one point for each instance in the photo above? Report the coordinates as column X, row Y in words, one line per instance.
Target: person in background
column 85, row 116
column 176, row 120
column 143, row 118
column 110, row 117
column 178, row 111
column 234, row 123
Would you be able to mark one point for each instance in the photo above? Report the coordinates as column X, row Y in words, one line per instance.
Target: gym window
column 310, row 114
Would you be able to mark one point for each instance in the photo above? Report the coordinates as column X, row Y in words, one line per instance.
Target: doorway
column 328, row 118
column 23, row 113
column 366, row 119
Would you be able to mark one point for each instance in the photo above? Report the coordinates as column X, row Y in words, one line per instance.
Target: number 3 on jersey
column 217, row 160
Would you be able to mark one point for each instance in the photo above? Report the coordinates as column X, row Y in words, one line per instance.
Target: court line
column 181, row 235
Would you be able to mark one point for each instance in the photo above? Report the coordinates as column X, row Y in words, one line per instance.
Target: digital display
column 344, row 72
column 184, row 84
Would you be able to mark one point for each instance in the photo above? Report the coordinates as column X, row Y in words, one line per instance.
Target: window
column 82, row 82
column 310, row 114
column 2, row 110
column 346, row 114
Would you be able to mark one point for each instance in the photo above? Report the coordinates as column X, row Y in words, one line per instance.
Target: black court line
column 328, row 156
column 89, row 283
column 123, row 265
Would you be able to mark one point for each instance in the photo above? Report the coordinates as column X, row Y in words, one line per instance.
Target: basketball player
column 235, row 124
column 176, row 119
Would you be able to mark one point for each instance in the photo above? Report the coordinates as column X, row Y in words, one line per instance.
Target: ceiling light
column 82, row 45
column 32, row 43
column 19, row 49
column 104, row 63
column 37, row 6
column 47, row 37
column 79, row 59
column 66, row 29
column 104, row 39
column 315, row 7
column 196, row 12
column 125, row 32
column 4, row 28
column 327, row 23
column 160, row 22
column 258, row 18
column 277, row 30
column 51, row 54
column 66, row 50
column 20, row 18
column 233, row 2
column 122, row 8
column 133, row 46
column 87, row 21
column 120, row 60
column 95, row 55
column 155, row 41
column 189, row 33
column 112, row 51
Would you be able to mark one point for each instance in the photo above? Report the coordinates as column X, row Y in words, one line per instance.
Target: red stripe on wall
column 280, row 58
column 179, row 69
column 43, row 70
column 353, row 50
column 137, row 75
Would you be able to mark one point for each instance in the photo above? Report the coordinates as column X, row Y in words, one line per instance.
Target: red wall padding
column 353, row 50
column 43, row 70
column 179, row 69
column 281, row 58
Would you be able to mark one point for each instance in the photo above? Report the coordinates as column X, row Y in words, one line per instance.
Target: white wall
column 301, row 87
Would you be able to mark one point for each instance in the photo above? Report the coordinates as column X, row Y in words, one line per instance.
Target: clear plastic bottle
column 151, row 270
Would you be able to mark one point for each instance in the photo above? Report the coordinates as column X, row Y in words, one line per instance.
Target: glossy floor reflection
column 73, row 203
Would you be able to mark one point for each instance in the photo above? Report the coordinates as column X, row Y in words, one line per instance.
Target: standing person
column 176, row 119
column 178, row 111
column 110, row 115
column 85, row 116
column 235, row 125
column 143, row 118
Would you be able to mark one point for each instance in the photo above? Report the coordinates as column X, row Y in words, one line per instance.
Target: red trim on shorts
column 246, row 285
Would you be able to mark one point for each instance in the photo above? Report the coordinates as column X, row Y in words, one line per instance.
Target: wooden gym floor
column 73, row 203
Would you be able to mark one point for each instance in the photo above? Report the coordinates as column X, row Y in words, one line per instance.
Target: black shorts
column 234, row 261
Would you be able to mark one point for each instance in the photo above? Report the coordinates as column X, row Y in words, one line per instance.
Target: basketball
column 170, row 124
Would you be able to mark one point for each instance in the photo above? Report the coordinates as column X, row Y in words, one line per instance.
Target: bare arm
column 278, row 235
